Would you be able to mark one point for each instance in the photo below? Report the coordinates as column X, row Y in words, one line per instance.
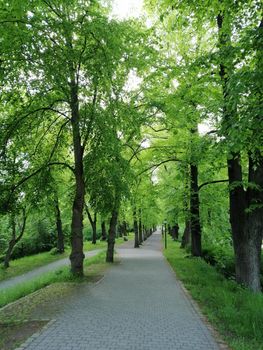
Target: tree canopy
column 184, row 144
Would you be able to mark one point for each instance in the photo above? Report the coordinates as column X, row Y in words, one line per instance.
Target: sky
column 127, row 8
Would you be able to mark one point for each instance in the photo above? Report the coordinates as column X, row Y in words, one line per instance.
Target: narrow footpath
column 29, row 276
column 139, row 305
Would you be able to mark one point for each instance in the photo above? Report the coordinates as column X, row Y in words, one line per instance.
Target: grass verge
column 61, row 275
column 235, row 312
column 28, row 263
column 28, row 315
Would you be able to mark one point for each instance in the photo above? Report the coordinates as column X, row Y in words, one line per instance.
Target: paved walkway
column 28, row 276
column 139, row 305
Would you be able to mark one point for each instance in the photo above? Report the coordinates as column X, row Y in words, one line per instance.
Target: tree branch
column 158, row 130
column 66, row 165
column 94, row 101
column 155, row 166
column 44, row 134
column 25, row 179
column 89, row 215
column 57, row 140
column 22, row 229
column 211, row 182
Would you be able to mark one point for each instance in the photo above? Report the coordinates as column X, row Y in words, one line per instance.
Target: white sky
column 127, row 8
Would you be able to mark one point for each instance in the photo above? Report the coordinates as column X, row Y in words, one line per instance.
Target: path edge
column 25, row 344
column 217, row 336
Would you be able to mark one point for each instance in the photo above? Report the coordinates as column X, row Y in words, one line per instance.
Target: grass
column 28, row 263
column 61, row 275
column 28, row 315
column 234, row 311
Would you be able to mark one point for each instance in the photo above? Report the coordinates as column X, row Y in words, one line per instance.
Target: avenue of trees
column 113, row 125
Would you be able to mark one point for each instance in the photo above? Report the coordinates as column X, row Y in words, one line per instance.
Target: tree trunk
column 186, row 239
column 136, row 229
column 60, row 235
column 8, row 253
column 237, row 214
column 120, row 229
column 15, row 239
column 175, row 232
column 77, row 256
column 246, row 213
column 94, row 231
column 111, row 237
column 249, row 255
column 103, row 231
column 140, row 227
column 144, row 233
column 93, row 223
column 124, row 226
column 195, row 215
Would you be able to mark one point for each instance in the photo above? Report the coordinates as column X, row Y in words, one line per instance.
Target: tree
column 75, row 58
column 235, row 53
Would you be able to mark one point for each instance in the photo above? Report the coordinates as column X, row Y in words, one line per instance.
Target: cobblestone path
column 139, row 305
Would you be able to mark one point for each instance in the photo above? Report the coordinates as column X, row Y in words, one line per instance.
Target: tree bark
column 8, row 253
column 111, row 236
column 94, row 230
column 186, row 239
column 120, row 229
column 103, row 231
column 93, row 223
column 175, row 232
column 136, row 229
column 249, row 254
column 144, row 233
column 140, row 227
column 124, row 226
column 15, row 239
column 77, row 256
column 195, row 214
column 237, row 200
column 60, row 235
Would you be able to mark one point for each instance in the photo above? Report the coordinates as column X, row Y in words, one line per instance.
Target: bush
column 42, row 239
column 222, row 257
column 54, row 251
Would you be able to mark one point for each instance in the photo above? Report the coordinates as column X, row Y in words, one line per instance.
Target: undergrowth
column 236, row 312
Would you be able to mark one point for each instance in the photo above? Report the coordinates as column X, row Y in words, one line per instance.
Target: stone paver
column 139, row 305
column 28, row 276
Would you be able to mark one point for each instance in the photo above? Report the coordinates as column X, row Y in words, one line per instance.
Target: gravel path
column 28, row 276
column 139, row 305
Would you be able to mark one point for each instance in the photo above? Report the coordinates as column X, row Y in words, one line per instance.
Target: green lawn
column 61, row 275
column 28, row 263
column 235, row 312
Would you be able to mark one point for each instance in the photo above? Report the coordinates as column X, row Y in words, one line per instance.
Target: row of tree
column 212, row 73
column 77, row 133
column 70, row 122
